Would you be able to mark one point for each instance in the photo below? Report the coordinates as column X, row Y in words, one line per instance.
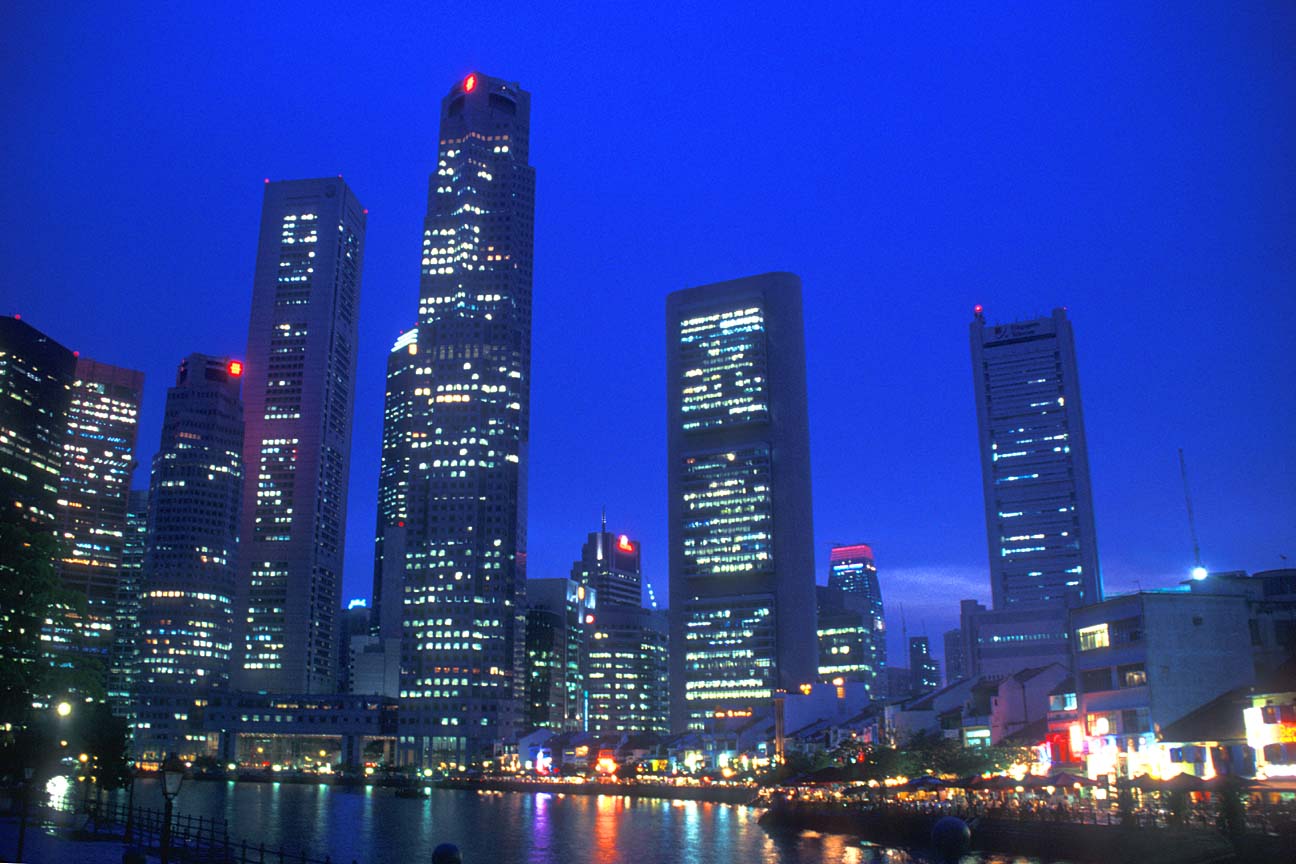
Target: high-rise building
column 36, row 375
column 741, row 555
column 35, row 387
column 124, row 655
column 853, row 588
column 923, row 669
column 559, row 614
column 465, row 543
column 98, row 462
column 301, row 356
column 955, row 666
column 1034, row 463
column 609, row 564
column 626, row 671
column 393, row 485
column 186, row 614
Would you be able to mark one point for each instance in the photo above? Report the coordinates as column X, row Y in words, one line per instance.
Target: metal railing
column 194, row 839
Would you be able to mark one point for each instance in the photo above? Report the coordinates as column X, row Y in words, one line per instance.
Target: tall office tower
column 301, row 356
column 922, row 666
column 609, row 564
column 955, row 665
column 124, row 654
column 186, row 615
column 393, row 485
column 1034, row 464
column 35, row 386
column 465, row 546
column 626, row 671
column 846, row 643
column 36, row 376
column 98, row 461
column 558, row 612
column 853, row 576
column 738, row 473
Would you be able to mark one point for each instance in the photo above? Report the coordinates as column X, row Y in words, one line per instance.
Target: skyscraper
column 186, row 616
column 399, row 406
column 98, row 462
column 301, row 356
column 738, row 475
column 626, row 674
column 955, row 666
column 124, row 654
column 1034, row 463
column 609, row 564
column 465, row 543
column 35, row 387
column 922, row 666
column 853, row 585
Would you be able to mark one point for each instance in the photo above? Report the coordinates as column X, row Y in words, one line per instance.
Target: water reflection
column 374, row 825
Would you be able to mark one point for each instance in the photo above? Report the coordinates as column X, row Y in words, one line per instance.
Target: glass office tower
column 465, row 542
column 742, row 592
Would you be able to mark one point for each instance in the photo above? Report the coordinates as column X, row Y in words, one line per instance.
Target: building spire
column 604, row 518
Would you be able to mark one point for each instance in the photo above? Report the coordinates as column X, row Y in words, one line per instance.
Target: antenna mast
column 1192, row 522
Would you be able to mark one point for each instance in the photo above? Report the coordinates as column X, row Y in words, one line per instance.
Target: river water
column 372, row 826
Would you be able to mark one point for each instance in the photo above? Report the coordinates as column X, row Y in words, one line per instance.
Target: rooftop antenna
column 1198, row 571
column 605, row 518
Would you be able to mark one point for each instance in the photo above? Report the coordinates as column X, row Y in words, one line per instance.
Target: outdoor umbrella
column 1184, row 783
column 1065, row 778
column 925, row 783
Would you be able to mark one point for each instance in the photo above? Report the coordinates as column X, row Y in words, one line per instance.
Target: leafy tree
column 29, row 586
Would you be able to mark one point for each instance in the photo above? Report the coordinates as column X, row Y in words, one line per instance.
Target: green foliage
column 104, row 739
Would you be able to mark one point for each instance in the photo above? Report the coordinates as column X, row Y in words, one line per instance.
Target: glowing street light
column 63, row 709
column 1199, row 573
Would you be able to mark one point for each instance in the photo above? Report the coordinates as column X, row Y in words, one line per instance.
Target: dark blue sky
column 1133, row 162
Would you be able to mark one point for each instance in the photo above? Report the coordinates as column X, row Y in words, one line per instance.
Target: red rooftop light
column 470, row 83
column 235, row 368
column 978, row 309
column 624, row 544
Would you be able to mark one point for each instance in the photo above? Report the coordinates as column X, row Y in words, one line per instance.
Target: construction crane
column 1198, row 571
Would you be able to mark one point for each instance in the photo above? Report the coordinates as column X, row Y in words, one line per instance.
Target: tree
column 29, row 586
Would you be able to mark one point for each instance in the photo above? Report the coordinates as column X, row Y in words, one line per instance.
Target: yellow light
column 323, row 753
column 83, row 758
column 63, row 709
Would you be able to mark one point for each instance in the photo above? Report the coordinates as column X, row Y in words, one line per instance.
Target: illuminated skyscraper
column 393, row 485
column 738, row 448
column 1034, row 464
column 301, row 356
column 124, row 655
column 98, row 461
column 852, row 627
column 36, row 376
column 186, row 615
column 465, row 544
column 609, row 564
column 924, row 673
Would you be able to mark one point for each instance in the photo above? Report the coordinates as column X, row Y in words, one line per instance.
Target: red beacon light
column 978, row 309
column 234, row 368
column 624, row 544
column 470, row 83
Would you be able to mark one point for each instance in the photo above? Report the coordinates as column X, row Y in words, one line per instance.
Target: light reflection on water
column 372, row 825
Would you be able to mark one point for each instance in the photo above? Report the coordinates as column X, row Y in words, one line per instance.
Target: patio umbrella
column 1148, row 783
column 925, row 783
column 1184, row 783
column 1232, row 781
column 1065, row 778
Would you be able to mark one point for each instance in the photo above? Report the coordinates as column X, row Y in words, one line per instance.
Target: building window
column 1093, row 637
column 1096, row 680
column 1133, row 675
column 1062, row 702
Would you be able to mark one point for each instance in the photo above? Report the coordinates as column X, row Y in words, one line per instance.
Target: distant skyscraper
column 1034, row 464
column 465, row 544
column 923, row 670
column 124, row 655
column 399, row 407
column 557, row 614
column 98, row 461
column 853, row 584
column 186, row 616
column 609, row 564
column 301, row 356
column 955, row 666
column 738, row 451
column 36, row 376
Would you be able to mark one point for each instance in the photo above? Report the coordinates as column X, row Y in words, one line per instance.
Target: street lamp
column 63, row 709
column 172, row 776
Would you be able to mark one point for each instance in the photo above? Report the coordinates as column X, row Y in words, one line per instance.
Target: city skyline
column 1237, row 463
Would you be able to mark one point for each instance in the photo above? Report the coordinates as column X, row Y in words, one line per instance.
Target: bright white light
column 1199, row 573
column 56, row 788
column 63, row 709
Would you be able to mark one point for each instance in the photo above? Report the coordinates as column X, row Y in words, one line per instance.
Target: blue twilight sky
column 1132, row 161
